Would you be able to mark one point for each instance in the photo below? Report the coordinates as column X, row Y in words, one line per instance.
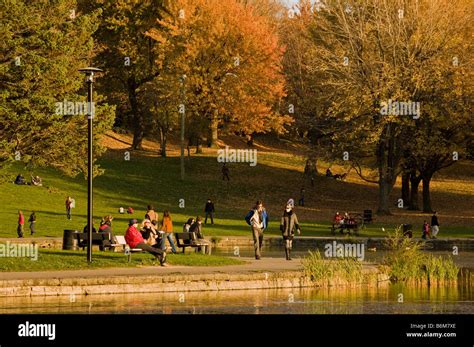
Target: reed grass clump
column 406, row 262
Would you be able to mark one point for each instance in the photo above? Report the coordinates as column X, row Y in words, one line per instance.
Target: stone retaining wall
column 174, row 283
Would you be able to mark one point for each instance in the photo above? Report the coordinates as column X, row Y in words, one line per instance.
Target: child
column 426, row 230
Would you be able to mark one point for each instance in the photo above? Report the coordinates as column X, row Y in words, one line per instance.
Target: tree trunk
column 406, row 188
column 388, row 160
column 414, row 183
column 137, row 138
column 198, row 146
column 426, row 194
column 137, row 119
column 213, row 125
column 163, row 139
column 384, row 193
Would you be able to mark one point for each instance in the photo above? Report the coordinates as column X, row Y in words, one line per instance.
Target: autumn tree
column 42, row 114
column 368, row 54
column 232, row 59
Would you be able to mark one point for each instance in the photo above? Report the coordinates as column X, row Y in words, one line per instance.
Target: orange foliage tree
column 231, row 57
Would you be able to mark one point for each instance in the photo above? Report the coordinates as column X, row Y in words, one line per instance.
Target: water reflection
column 383, row 299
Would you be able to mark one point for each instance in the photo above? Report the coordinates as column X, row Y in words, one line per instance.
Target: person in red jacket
column 134, row 239
column 21, row 222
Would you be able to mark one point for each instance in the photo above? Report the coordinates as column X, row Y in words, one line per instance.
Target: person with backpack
column 288, row 225
column 257, row 218
column 32, row 221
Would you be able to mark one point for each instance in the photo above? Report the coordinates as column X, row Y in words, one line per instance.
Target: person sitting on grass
column 426, row 230
column 36, row 181
column 135, row 240
column 196, row 228
column 329, row 173
column 20, row 179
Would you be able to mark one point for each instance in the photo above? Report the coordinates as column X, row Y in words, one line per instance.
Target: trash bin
column 70, row 240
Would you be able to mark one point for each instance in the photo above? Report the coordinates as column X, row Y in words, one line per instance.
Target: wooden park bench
column 100, row 239
column 120, row 242
column 187, row 239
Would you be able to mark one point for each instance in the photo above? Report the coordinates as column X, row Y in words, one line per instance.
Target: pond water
column 360, row 300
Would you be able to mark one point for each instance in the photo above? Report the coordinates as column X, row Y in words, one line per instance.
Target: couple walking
column 257, row 218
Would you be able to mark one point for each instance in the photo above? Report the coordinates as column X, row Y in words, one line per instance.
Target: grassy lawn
column 154, row 180
column 49, row 259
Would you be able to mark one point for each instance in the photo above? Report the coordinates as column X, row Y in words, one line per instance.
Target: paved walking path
column 253, row 266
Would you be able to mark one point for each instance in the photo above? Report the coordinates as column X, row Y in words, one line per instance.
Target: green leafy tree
column 43, row 45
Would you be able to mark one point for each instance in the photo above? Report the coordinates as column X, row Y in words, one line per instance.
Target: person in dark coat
column 288, row 225
column 209, row 210
column 196, row 228
column 32, row 221
column 225, row 172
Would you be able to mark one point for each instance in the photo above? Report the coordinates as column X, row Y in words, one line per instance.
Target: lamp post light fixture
column 89, row 72
column 182, row 79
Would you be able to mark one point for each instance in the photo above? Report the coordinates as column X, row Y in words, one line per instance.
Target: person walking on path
column 32, row 221
column 434, row 225
column 167, row 228
column 257, row 218
column 21, row 222
column 68, row 207
column 225, row 172
column 288, row 225
column 135, row 240
column 209, row 209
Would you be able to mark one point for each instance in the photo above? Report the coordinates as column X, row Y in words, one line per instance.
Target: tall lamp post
column 182, row 110
column 89, row 72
